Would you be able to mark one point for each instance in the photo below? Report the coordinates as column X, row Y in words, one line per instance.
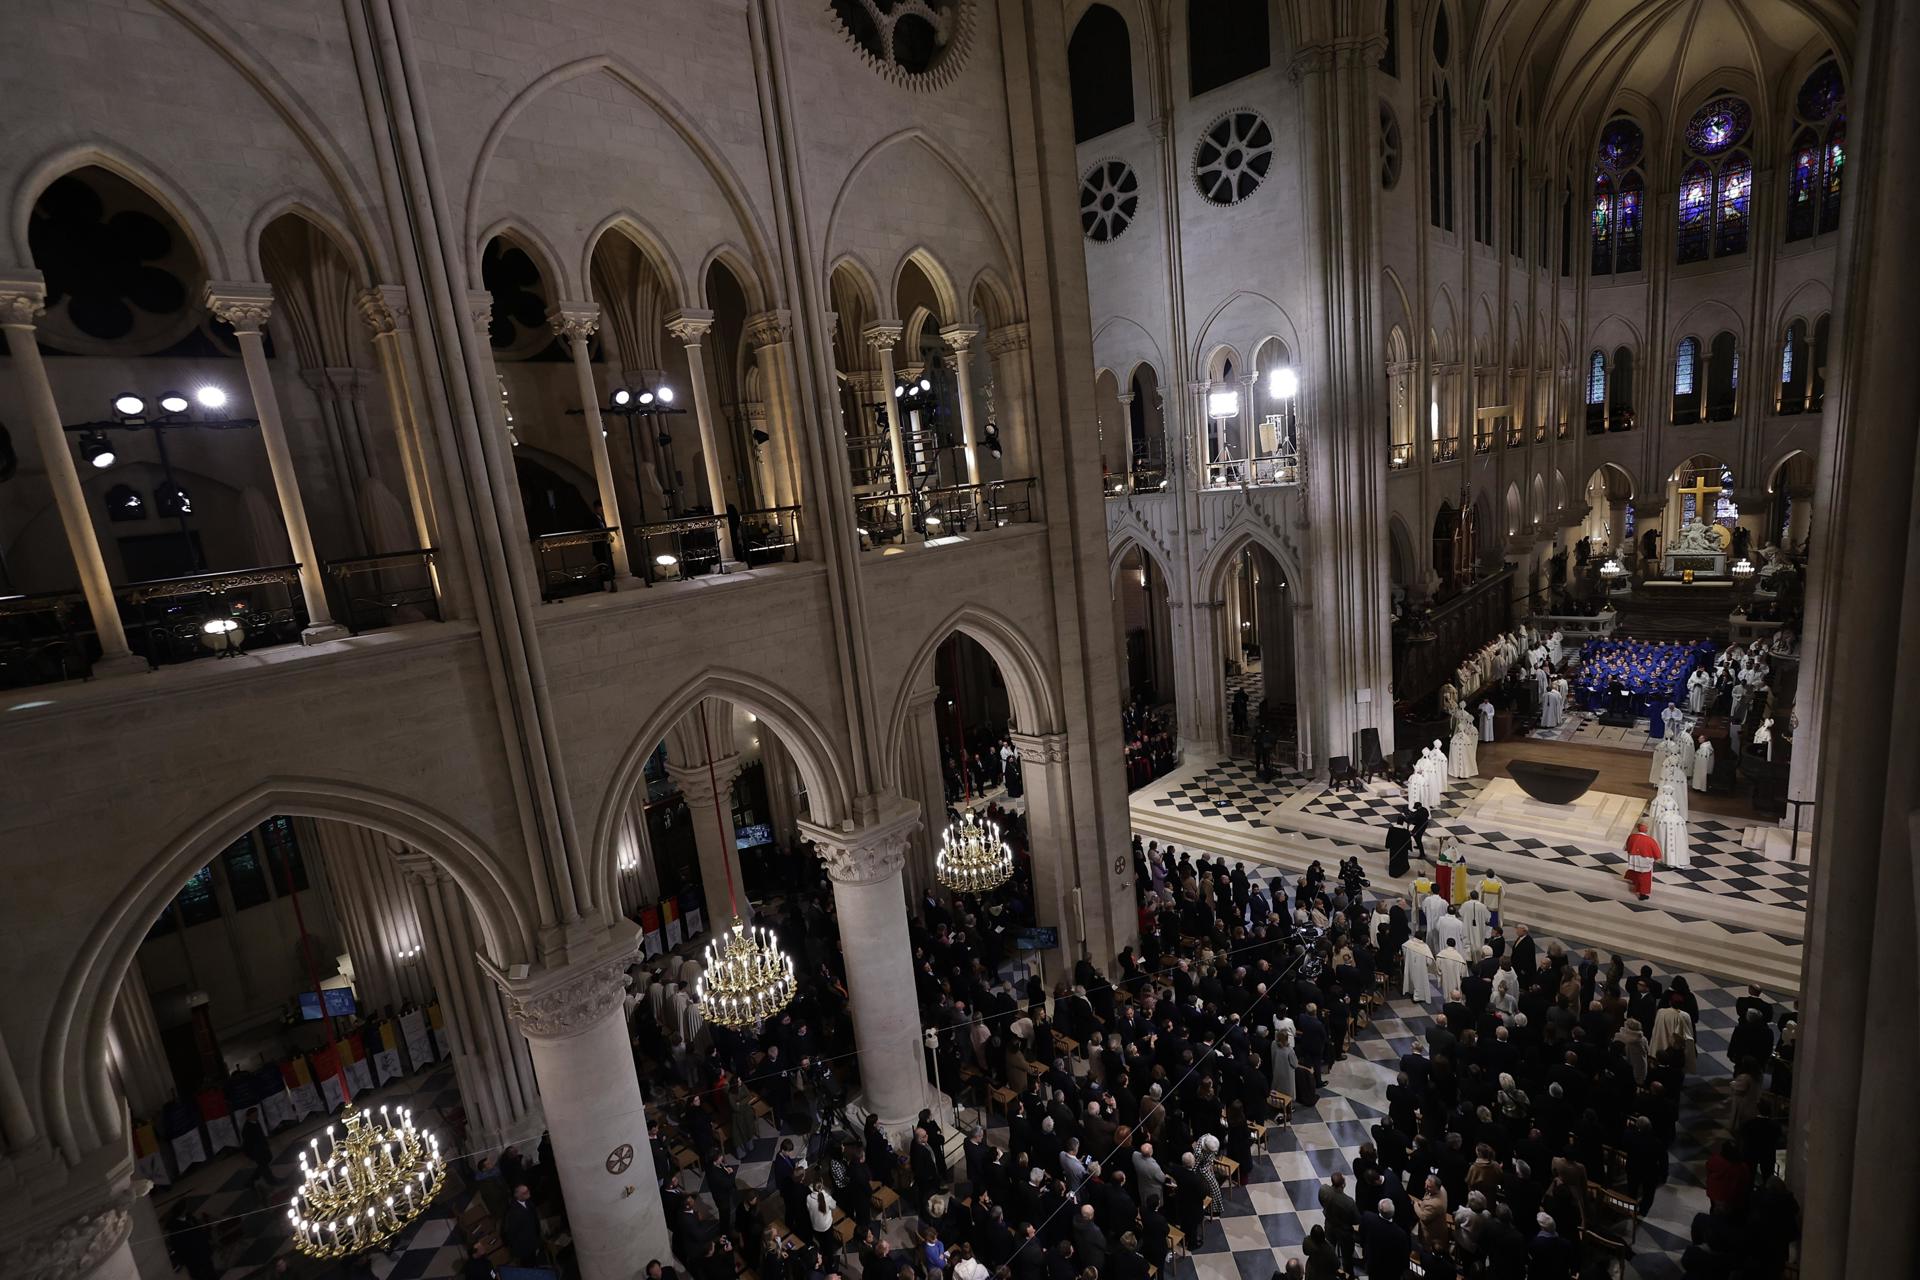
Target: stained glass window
column 1618, row 190
column 1819, row 154
column 1786, row 358
column 196, row 902
column 246, row 876
column 1716, row 186
column 283, row 854
column 1685, row 366
column 1597, row 379
column 1724, row 510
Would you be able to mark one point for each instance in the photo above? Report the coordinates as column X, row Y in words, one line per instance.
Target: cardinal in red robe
column 1643, row 853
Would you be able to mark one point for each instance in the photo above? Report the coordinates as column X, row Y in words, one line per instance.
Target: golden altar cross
column 1700, row 490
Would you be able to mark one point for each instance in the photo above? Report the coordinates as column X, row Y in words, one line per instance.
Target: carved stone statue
column 1697, row 537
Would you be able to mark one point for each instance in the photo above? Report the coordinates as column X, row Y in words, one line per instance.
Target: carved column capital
column 1040, row 748
column 769, row 328
column 697, row 787
column 73, row 1248
column 572, row 320
column 882, row 336
column 562, row 1002
column 1309, row 60
column 23, row 297
column 690, row 326
column 959, row 336
column 869, row 852
column 246, row 307
column 385, row 309
column 480, row 308
column 421, row 867
column 1007, row 338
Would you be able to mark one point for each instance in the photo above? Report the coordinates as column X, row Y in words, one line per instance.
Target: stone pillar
column 573, row 323
column 1125, row 400
column 783, row 796
column 633, row 846
column 960, row 337
column 246, row 307
column 883, row 338
column 1853, row 1159
column 146, row 1239
column 23, row 296
column 1009, row 347
column 145, row 1075
column 89, row 1245
column 1050, row 844
column 375, row 910
column 574, row 1019
column 705, row 737
column 923, row 781
column 1276, row 643
column 691, row 327
column 864, row 862
column 491, row 1068
column 770, row 335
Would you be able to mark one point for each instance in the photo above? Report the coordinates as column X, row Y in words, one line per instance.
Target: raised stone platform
column 1596, row 821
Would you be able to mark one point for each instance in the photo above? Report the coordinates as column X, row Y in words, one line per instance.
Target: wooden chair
column 1341, row 773
column 1176, row 1242
column 1227, row 1170
column 885, row 1201
column 1372, row 762
column 1614, row 1224
column 1282, row 1105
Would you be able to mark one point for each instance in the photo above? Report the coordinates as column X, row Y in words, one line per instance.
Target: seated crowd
column 1151, row 747
column 1522, row 1136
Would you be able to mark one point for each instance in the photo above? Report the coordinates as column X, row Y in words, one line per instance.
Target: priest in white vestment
column 1486, row 720
column 1477, row 919
column 1432, row 908
column 1658, row 765
column 1673, row 779
column 1702, row 766
column 1416, row 970
column 1453, row 932
column 1452, row 967
column 1464, row 760
column 1553, row 707
column 1670, row 830
column 1697, row 685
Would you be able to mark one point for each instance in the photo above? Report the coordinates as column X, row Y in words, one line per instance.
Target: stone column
column 693, row 746
column 923, row 781
column 376, row 913
column 691, row 327
column 491, row 1067
column 573, row 323
column 782, row 796
column 633, row 846
column 23, row 296
column 574, row 1019
column 145, row 1075
column 960, row 337
column 147, row 1239
column 246, row 307
column 770, row 335
column 1043, row 758
column 90, row 1245
column 1009, row 348
column 883, row 338
column 864, row 862
column 1125, row 399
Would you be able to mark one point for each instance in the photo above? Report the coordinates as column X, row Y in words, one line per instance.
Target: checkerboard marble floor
column 252, row 1232
column 1231, row 792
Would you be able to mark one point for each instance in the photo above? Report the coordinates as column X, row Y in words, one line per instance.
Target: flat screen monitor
column 753, row 836
column 339, row 1004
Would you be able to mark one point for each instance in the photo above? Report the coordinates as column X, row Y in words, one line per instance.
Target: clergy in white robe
column 1453, row 933
column 1452, row 967
column 1673, row 779
column 1702, row 766
column 1416, row 970
column 1432, row 908
column 1688, row 746
column 1673, row 1029
column 1486, row 720
column 1477, row 919
column 1553, row 707
column 1657, row 767
column 1697, row 685
column 1463, row 760
column 1670, row 830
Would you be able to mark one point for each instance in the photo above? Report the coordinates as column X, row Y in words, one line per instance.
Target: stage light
column 1223, row 404
column 665, row 561
column 926, row 385
column 174, row 402
column 646, row 397
column 899, row 392
column 622, row 397
column 666, row 395
column 95, row 448
column 129, row 405
column 211, row 397
column 1283, row 383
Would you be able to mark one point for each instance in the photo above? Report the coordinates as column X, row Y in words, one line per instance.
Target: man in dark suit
column 1550, row 1255
column 1386, row 1243
column 1342, row 1217
column 1420, row 816
column 1153, row 1232
column 1525, row 961
column 520, row 1227
column 926, row 1169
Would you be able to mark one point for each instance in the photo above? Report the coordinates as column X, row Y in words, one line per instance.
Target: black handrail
column 370, row 592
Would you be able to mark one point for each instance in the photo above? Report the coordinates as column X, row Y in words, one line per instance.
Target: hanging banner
column 302, row 1095
column 261, row 1092
column 691, row 915
column 217, row 1115
column 181, row 1120
column 442, row 1045
column 327, row 1077
column 353, row 1056
column 386, row 1059
column 146, row 1155
column 670, row 914
column 413, row 1028
column 652, row 940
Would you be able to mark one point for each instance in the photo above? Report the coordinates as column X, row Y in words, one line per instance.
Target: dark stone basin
column 1551, row 783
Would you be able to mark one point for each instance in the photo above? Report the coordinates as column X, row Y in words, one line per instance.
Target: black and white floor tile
column 1233, row 791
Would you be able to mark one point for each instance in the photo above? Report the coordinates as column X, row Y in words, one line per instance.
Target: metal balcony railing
column 370, row 592
column 574, row 563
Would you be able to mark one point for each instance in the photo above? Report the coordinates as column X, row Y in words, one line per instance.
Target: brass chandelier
column 973, row 858
column 748, row 977
column 367, row 1187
